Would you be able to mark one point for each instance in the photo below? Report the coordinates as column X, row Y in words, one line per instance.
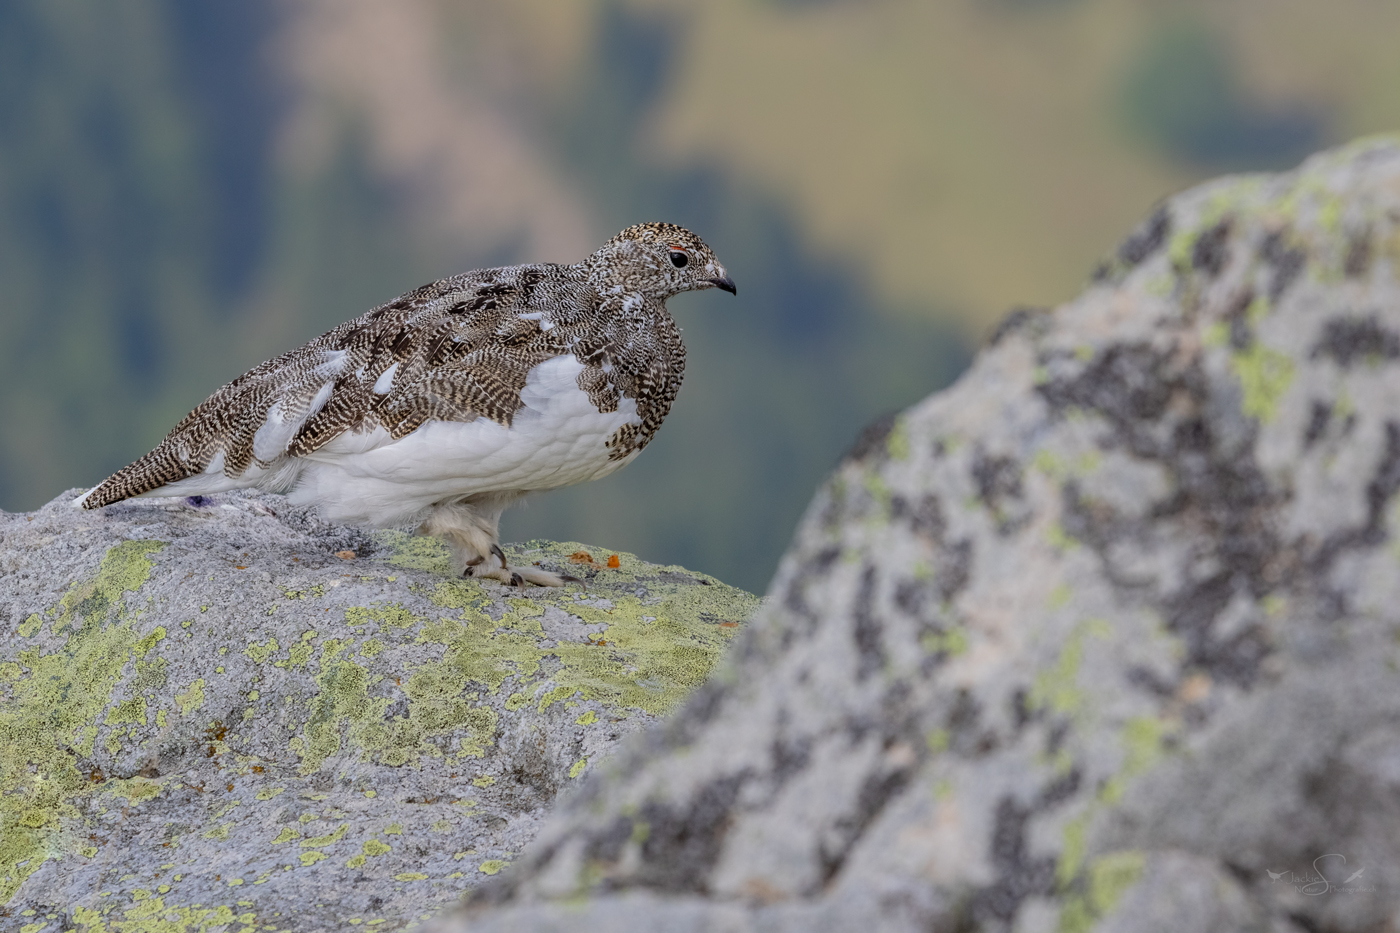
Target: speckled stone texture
column 211, row 722
column 1102, row 637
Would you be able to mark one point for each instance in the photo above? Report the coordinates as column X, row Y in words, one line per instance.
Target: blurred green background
column 187, row 189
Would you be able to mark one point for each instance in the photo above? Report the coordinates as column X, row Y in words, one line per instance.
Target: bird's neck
column 611, row 272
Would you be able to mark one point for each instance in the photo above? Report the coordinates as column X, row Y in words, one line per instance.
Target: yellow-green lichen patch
column 578, row 767
column 879, row 491
column 482, row 650
column 391, row 616
column 438, row 705
column 54, row 700
column 1264, row 376
column 343, row 704
column 219, row 832
column 191, row 699
column 952, row 642
column 1142, row 746
column 150, row 641
column 152, row 915
column 1059, row 539
column 1057, row 688
column 491, row 866
column 587, row 719
column 653, row 648
column 300, row 652
column 1182, row 244
column 415, row 552
column 148, row 677
column 897, row 443
column 1071, row 858
column 1216, row 334
column 1103, row 886
column 134, row 790
column 259, row 652
column 1059, row 468
column 286, row 835
column 124, row 569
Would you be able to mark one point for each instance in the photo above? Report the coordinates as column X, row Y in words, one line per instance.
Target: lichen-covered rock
column 1103, row 637
column 210, row 721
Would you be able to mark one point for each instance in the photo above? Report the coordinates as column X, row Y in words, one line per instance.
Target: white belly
column 556, row 439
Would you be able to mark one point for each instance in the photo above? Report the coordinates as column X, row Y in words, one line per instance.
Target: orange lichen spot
column 258, row 769
column 345, row 555
column 729, row 625
column 581, row 557
column 229, row 787
column 239, row 567
column 614, row 562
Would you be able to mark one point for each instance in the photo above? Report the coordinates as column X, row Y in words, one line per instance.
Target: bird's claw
column 476, row 568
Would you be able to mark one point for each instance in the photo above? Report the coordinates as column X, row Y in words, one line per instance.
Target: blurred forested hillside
column 189, row 188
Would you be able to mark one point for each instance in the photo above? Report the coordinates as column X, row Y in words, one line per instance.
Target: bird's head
column 657, row 260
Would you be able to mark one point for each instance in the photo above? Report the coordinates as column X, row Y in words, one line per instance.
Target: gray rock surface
column 210, row 721
column 1102, row 637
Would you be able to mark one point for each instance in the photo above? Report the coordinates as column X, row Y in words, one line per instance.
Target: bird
column 447, row 405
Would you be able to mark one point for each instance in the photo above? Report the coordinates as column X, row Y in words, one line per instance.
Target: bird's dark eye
column 679, row 259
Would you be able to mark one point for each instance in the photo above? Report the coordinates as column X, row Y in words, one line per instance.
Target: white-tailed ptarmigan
column 446, row 405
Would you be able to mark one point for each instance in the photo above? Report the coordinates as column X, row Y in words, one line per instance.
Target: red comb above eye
column 674, row 247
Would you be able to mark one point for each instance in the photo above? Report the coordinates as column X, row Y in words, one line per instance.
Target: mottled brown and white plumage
column 449, row 403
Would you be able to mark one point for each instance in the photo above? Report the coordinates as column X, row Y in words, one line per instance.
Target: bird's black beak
column 725, row 283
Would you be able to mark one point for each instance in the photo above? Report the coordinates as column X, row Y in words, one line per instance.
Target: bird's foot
column 481, row 568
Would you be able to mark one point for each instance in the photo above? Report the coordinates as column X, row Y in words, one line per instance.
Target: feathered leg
column 471, row 528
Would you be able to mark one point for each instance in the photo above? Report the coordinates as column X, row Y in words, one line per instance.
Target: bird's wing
column 455, row 350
